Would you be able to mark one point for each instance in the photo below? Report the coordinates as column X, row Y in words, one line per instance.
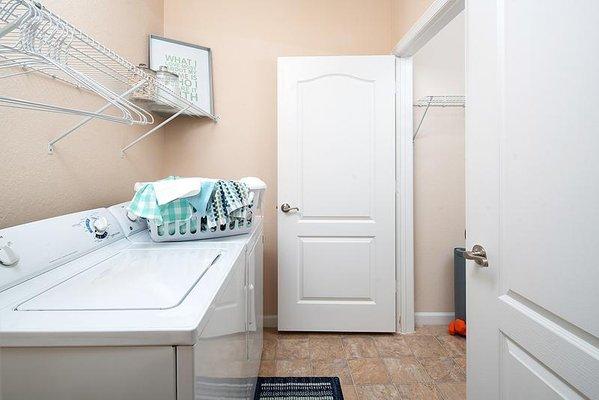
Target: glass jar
column 146, row 92
column 168, row 85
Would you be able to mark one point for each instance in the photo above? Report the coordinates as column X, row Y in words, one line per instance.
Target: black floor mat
column 298, row 389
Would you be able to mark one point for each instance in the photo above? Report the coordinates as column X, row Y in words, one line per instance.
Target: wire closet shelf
column 437, row 101
column 35, row 40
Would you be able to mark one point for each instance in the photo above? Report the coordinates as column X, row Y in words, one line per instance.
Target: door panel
column 532, row 187
column 324, row 127
column 562, row 347
column 526, row 378
column 336, row 268
column 337, row 165
column 550, row 161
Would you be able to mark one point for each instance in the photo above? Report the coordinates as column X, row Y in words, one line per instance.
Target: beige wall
column 405, row 14
column 246, row 38
column 87, row 170
column 439, row 171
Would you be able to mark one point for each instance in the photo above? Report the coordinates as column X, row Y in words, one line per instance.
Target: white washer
column 93, row 309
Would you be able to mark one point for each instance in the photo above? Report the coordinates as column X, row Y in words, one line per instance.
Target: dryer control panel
column 129, row 222
column 31, row 249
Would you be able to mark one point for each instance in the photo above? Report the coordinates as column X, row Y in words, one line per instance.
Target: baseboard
column 270, row 321
column 421, row 318
column 433, row 318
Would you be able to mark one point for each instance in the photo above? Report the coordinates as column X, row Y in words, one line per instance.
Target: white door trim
column 437, row 16
column 404, row 214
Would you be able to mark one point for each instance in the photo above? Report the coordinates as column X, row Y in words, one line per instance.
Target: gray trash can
column 459, row 282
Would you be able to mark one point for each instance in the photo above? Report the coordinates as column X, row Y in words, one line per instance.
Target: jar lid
column 164, row 69
column 144, row 67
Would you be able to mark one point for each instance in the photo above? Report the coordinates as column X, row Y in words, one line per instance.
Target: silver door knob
column 478, row 254
column 286, row 208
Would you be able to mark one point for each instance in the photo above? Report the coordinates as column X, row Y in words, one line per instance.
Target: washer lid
column 132, row 279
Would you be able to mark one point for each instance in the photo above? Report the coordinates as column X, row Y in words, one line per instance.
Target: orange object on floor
column 457, row 326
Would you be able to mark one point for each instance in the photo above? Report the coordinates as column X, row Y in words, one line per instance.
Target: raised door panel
column 550, row 162
column 336, row 269
column 336, row 117
column 527, row 378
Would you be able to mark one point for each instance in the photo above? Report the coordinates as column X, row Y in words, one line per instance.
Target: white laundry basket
column 194, row 229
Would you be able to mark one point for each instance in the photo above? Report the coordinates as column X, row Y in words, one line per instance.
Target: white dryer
column 91, row 308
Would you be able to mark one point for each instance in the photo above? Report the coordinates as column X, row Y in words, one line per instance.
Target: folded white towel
column 169, row 190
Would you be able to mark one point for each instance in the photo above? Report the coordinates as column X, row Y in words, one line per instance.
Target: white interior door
column 532, row 161
column 336, row 119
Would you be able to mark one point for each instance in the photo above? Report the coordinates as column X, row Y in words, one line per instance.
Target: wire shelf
column 441, row 101
column 35, row 40
column 437, row 101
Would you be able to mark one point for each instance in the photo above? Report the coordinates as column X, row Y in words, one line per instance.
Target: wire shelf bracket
column 437, row 101
column 151, row 131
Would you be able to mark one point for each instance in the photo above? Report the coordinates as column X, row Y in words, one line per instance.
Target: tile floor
column 428, row 364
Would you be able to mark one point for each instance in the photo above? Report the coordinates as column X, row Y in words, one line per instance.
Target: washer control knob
column 132, row 217
column 100, row 226
column 8, row 257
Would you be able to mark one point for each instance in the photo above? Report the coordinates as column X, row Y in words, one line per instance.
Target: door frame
column 435, row 18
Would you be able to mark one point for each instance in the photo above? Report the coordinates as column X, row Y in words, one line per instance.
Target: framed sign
column 191, row 62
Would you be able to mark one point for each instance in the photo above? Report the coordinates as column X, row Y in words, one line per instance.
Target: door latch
column 478, row 254
column 286, row 208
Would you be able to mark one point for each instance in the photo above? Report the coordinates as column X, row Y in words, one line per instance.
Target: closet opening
column 430, row 169
column 439, row 176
